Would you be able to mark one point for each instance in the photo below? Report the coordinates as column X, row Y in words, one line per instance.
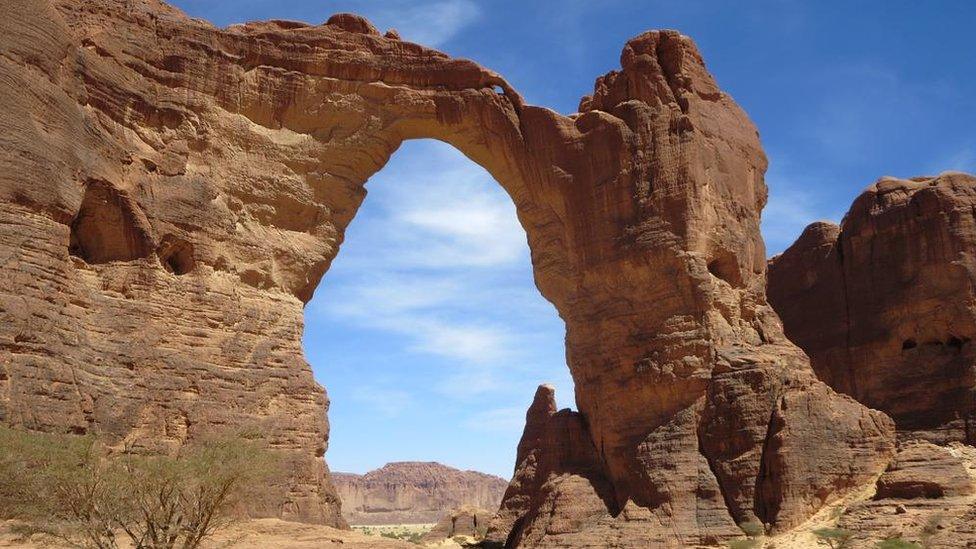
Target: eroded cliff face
column 172, row 193
column 883, row 303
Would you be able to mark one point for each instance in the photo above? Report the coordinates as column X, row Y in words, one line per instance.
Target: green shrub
column 835, row 538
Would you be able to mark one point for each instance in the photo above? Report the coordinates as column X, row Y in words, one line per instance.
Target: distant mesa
column 412, row 492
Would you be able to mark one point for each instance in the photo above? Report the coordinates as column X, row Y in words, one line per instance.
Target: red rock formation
column 883, row 304
column 414, row 493
column 228, row 164
column 556, row 464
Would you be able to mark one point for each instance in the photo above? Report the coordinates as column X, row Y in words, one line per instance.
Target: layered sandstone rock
column 414, row 493
column 884, row 303
column 172, row 193
column 557, row 466
column 926, row 496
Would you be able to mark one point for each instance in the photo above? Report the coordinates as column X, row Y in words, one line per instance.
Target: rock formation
column 923, row 470
column 414, row 493
column 467, row 521
column 926, row 496
column 172, row 193
column 884, row 303
column 558, row 469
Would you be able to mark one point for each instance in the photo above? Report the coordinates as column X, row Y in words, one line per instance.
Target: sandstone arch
column 251, row 144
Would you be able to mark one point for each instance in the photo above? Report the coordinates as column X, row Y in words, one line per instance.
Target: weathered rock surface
column 940, row 511
column 556, row 465
column 884, row 303
column 923, row 470
column 172, row 193
column 468, row 521
column 414, row 493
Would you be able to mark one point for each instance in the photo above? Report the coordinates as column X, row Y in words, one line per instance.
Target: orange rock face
column 883, row 304
column 172, row 193
column 557, row 465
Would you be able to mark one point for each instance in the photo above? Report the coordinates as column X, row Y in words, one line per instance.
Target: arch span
column 428, row 329
column 251, row 144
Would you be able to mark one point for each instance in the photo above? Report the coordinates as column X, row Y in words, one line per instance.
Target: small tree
column 68, row 487
column 180, row 501
column 58, row 483
column 835, row 538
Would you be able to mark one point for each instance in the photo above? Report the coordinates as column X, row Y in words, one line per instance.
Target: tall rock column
column 702, row 414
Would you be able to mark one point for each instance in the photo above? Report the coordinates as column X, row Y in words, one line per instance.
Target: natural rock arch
column 251, row 145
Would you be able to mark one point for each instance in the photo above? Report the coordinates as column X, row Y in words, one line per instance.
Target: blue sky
column 428, row 331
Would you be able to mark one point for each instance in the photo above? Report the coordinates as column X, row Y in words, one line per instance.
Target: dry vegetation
column 71, row 489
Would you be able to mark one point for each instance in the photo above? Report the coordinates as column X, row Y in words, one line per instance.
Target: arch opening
column 428, row 328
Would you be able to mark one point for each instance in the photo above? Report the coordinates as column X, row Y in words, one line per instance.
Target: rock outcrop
column 172, row 193
column 926, row 496
column 884, row 303
column 557, row 466
column 467, row 521
column 924, row 471
column 414, row 493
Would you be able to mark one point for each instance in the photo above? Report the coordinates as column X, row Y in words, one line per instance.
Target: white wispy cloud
column 501, row 420
column 961, row 160
column 787, row 213
column 383, row 400
column 431, row 312
column 441, row 259
column 478, row 230
column 444, row 211
column 471, row 343
column 476, row 381
column 793, row 204
column 873, row 99
column 427, row 23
